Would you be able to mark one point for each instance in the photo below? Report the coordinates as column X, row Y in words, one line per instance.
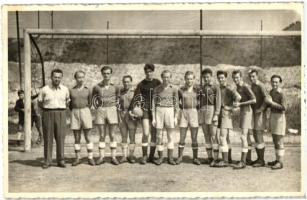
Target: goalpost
column 120, row 33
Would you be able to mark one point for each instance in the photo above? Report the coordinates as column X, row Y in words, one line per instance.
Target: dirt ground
column 26, row 174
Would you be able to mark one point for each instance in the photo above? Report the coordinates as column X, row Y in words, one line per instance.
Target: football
column 137, row 111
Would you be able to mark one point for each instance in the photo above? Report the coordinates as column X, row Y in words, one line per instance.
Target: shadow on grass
column 38, row 162
column 33, row 163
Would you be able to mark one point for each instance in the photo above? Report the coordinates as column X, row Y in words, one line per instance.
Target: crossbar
column 160, row 32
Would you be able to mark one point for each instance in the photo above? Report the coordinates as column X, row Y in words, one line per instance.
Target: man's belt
column 54, row 109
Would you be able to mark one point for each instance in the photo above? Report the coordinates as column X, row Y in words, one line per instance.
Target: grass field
column 26, row 175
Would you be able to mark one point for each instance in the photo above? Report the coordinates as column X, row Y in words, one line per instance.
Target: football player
column 277, row 103
column 188, row 117
column 81, row 117
column 105, row 98
column 259, row 109
column 143, row 97
column 246, row 115
column 165, row 113
column 210, row 106
column 228, row 98
column 127, row 124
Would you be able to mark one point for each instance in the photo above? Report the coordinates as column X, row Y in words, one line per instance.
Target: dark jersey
column 19, row 106
column 144, row 93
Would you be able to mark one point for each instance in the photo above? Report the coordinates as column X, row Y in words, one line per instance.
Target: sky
column 249, row 20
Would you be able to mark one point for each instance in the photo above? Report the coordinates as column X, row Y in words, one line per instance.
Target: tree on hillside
column 295, row 26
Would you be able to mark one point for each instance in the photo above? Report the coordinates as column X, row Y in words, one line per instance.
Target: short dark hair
column 276, row 76
column 221, row 72
column 189, row 73
column 127, row 76
column 237, row 72
column 206, row 71
column 56, row 70
column 165, row 72
column 149, row 66
column 253, row 71
column 106, row 68
column 79, row 71
column 19, row 92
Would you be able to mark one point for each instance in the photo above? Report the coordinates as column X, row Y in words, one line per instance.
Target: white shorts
column 188, row 117
column 106, row 115
column 80, row 118
column 165, row 117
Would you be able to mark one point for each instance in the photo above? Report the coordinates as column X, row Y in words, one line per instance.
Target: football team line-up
column 162, row 105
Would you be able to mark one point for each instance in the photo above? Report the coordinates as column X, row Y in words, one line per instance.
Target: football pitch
column 25, row 174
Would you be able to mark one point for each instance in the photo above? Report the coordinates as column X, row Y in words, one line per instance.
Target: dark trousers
column 54, row 125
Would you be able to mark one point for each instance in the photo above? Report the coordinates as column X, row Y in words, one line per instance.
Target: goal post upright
column 27, row 90
column 111, row 32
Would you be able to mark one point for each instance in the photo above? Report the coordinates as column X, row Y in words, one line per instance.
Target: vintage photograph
column 153, row 100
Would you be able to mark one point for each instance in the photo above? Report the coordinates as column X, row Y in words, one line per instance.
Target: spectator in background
column 35, row 117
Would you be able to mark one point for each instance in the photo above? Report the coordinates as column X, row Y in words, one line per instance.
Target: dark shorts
column 34, row 119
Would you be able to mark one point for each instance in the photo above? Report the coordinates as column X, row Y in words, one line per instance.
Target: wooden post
column 27, row 89
column 18, row 48
column 51, row 14
column 38, row 20
column 261, row 45
column 201, row 47
column 107, row 43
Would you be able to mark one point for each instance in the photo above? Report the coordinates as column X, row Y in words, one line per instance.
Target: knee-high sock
column 152, row 149
column 131, row 149
column 215, row 151
column 101, row 146
column 77, row 150
column 180, row 149
column 209, row 150
column 280, row 154
column 113, row 146
column 90, row 147
column 144, row 149
column 261, row 148
column 125, row 149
